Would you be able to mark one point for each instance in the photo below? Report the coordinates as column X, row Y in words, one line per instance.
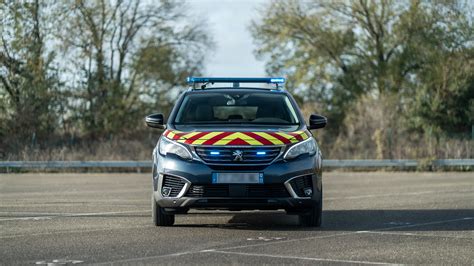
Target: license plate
column 237, row 178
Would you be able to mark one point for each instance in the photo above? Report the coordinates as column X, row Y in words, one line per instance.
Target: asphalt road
column 368, row 218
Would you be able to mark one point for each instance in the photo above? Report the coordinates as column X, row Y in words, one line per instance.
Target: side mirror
column 155, row 121
column 317, row 121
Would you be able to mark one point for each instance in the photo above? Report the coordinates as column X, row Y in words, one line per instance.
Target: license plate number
column 237, row 178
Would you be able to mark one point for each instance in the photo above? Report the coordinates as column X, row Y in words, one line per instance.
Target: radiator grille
column 230, row 155
column 251, row 191
column 268, row 190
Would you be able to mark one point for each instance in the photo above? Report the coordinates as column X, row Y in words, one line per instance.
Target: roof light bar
column 275, row 80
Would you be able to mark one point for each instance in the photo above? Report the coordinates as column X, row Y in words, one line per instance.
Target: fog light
column 308, row 192
column 166, row 191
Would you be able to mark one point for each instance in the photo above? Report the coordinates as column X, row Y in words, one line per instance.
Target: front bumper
column 279, row 173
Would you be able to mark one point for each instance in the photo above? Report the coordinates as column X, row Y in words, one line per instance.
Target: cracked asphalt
column 368, row 218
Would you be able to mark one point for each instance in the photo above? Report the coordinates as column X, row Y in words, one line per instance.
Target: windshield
column 256, row 108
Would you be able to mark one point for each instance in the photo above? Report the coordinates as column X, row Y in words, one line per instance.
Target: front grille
column 175, row 183
column 207, row 191
column 300, row 183
column 250, row 190
column 238, row 167
column 267, row 191
column 230, row 202
column 249, row 155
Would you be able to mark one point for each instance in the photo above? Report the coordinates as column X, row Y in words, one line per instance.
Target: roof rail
column 236, row 81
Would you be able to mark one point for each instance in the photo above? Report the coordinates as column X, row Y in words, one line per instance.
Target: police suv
column 236, row 148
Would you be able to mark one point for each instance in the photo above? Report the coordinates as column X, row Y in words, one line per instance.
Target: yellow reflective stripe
column 270, row 138
column 170, row 135
column 286, row 136
column 237, row 135
column 227, row 139
column 190, row 135
column 222, row 141
column 253, row 142
column 291, row 138
column 209, row 136
column 246, row 138
column 230, row 138
column 304, row 135
column 301, row 133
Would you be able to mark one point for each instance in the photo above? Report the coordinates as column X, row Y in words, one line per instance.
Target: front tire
column 312, row 218
column 158, row 215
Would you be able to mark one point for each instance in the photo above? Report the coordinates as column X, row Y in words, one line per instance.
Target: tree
column 28, row 81
column 130, row 54
column 338, row 53
column 441, row 100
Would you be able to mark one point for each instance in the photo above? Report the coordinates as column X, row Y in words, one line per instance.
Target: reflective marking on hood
column 244, row 138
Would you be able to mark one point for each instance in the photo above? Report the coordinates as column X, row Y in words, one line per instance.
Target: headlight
column 168, row 146
column 305, row 147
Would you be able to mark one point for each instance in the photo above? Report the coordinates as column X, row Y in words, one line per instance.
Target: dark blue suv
column 236, row 148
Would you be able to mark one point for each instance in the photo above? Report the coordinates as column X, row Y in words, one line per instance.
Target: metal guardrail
column 396, row 163
column 75, row 164
column 369, row 163
column 145, row 164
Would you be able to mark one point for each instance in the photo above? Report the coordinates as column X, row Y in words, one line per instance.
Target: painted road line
column 415, row 234
column 74, row 231
column 348, row 233
column 131, row 260
column 71, row 215
column 423, row 224
column 299, row 258
column 399, row 194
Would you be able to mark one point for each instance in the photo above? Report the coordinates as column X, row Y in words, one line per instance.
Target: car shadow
column 354, row 220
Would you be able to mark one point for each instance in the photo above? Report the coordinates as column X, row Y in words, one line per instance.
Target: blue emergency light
column 274, row 80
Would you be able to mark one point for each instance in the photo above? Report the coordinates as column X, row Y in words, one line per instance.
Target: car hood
column 240, row 138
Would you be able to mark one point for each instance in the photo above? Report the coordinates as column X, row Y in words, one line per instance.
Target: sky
column 228, row 22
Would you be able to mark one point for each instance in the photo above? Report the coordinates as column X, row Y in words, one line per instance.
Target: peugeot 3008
column 236, row 148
